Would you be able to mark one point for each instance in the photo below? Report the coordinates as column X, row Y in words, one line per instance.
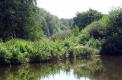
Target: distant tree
column 84, row 18
column 51, row 24
column 67, row 22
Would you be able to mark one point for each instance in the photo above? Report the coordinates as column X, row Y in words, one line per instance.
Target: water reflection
column 112, row 69
column 105, row 68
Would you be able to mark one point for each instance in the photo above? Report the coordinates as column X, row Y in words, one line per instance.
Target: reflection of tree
column 29, row 72
column 36, row 71
column 112, row 69
column 88, row 68
column 106, row 68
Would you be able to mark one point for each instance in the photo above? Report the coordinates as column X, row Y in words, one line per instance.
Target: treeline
column 23, row 19
column 45, row 37
column 102, row 31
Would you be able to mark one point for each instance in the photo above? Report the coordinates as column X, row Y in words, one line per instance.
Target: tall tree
column 113, row 42
column 18, row 19
column 84, row 18
column 51, row 24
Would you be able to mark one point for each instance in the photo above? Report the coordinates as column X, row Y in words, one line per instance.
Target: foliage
column 115, row 23
column 96, row 29
column 61, row 35
column 68, row 22
column 21, row 51
column 94, row 43
column 23, row 19
column 51, row 24
column 18, row 19
column 75, row 31
column 94, row 34
column 54, row 38
column 83, row 19
column 113, row 44
column 85, row 51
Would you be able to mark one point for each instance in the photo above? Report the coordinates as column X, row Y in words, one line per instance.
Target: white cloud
column 68, row 8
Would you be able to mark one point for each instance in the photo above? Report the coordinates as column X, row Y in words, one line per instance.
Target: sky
column 69, row 8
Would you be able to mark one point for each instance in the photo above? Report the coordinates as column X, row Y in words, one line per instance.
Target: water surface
column 105, row 68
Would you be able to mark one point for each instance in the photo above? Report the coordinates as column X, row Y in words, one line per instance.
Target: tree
column 68, row 22
column 113, row 42
column 51, row 24
column 115, row 23
column 18, row 19
column 83, row 19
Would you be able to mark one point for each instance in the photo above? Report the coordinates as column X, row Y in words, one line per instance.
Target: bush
column 61, row 35
column 96, row 29
column 94, row 34
column 5, row 55
column 21, row 51
column 95, row 43
column 84, row 38
column 85, row 51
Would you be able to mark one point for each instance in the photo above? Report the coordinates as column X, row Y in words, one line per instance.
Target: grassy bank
column 21, row 51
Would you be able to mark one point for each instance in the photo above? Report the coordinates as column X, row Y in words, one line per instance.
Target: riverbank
column 20, row 51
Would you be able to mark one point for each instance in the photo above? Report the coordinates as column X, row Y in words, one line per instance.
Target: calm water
column 105, row 68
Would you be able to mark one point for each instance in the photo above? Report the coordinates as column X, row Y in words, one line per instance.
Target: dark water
column 105, row 68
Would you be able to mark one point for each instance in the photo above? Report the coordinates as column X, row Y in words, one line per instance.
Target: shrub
column 21, row 51
column 5, row 55
column 95, row 43
column 96, row 29
column 85, row 51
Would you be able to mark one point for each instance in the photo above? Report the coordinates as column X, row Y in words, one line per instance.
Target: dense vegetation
column 85, row 18
column 113, row 42
column 18, row 19
column 23, row 19
column 31, row 34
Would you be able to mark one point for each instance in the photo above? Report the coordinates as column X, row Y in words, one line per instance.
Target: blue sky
column 68, row 8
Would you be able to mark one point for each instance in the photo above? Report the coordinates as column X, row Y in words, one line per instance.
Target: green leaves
column 112, row 44
column 18, row 19
column 83, row 19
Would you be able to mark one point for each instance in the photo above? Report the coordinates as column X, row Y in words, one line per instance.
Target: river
column 99, row 68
